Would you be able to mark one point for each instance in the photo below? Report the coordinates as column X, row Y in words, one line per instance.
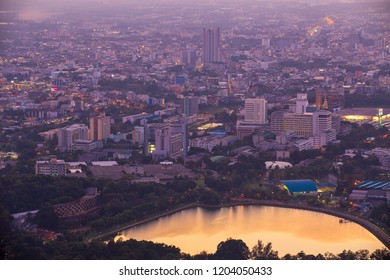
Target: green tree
column 47, row 218
column 5, row 224
column 362, row 254
column 203, row 256
column 263, row 252
column 347, row 255
column 232, row 249
column 208, row 196
column 380, row 254
column 22, row 246
column 330, row 256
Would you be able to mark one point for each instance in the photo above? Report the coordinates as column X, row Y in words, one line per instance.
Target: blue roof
column 296, row 186
column 374, row 185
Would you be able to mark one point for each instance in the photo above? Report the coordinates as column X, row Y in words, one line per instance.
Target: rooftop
column 279, row 164
column 112, row 172
column 299, row 186
column 217, row 158
column 363, row 111
column 167, row 172
column 377, row 185
column 104, row 163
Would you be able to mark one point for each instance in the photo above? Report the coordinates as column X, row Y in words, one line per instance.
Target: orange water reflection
column 289, row 230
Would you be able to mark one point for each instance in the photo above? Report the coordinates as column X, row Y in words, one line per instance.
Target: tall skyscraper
column 99, row 127
column 188, row 58
column 211, row 45
column 190, row 106
column 255, row 110
column 277, row 122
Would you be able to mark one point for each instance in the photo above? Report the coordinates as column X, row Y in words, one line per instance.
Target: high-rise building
column 175, row 146
column 78, row 105
column 266, row 42
column 245, row 129
column 138, row 135
column 211, row 45
column 335, row 101
column 301, row 103
column 181, row 127
column 300, row 124
column 68, row 135
column 150, row 136
column 168, row 144
column 318, row 98
column 277, row 122
column 99, row 127
column 354, row 40
column 322, row 121
column 167, row 140
column 188, row 58
column 255, row 110
column 161, row 140
column 323, row 132
column 190, row 106
column 336, row 123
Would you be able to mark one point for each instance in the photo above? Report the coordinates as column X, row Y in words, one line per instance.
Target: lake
column 289, row 230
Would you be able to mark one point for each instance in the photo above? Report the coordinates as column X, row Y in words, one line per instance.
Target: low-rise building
column 104, row 163
column 164, row 173
column 299, row 186
column 206, row 142
column 247, row 129
column 383, row 155
column 85, row 145
column 321, row 139
column 304, row 144
column 358, row 195
column 52, row 167
column 137, row 117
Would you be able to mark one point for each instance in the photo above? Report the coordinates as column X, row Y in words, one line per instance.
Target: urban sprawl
column 216, row 104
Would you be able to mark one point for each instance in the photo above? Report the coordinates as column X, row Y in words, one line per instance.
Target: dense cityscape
column 116, row 115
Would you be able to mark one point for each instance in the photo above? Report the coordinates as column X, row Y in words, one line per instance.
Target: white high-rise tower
column 256, row 110
column 301, row 103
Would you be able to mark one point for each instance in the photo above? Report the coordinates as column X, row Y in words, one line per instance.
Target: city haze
column 118, row 113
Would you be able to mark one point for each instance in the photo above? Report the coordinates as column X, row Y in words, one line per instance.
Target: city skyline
column 259, row 127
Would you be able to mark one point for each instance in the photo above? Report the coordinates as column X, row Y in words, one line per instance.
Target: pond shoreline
column 374, row 229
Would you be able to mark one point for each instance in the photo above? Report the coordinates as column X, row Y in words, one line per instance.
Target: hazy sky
column 39, row 9
column 42, row 3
